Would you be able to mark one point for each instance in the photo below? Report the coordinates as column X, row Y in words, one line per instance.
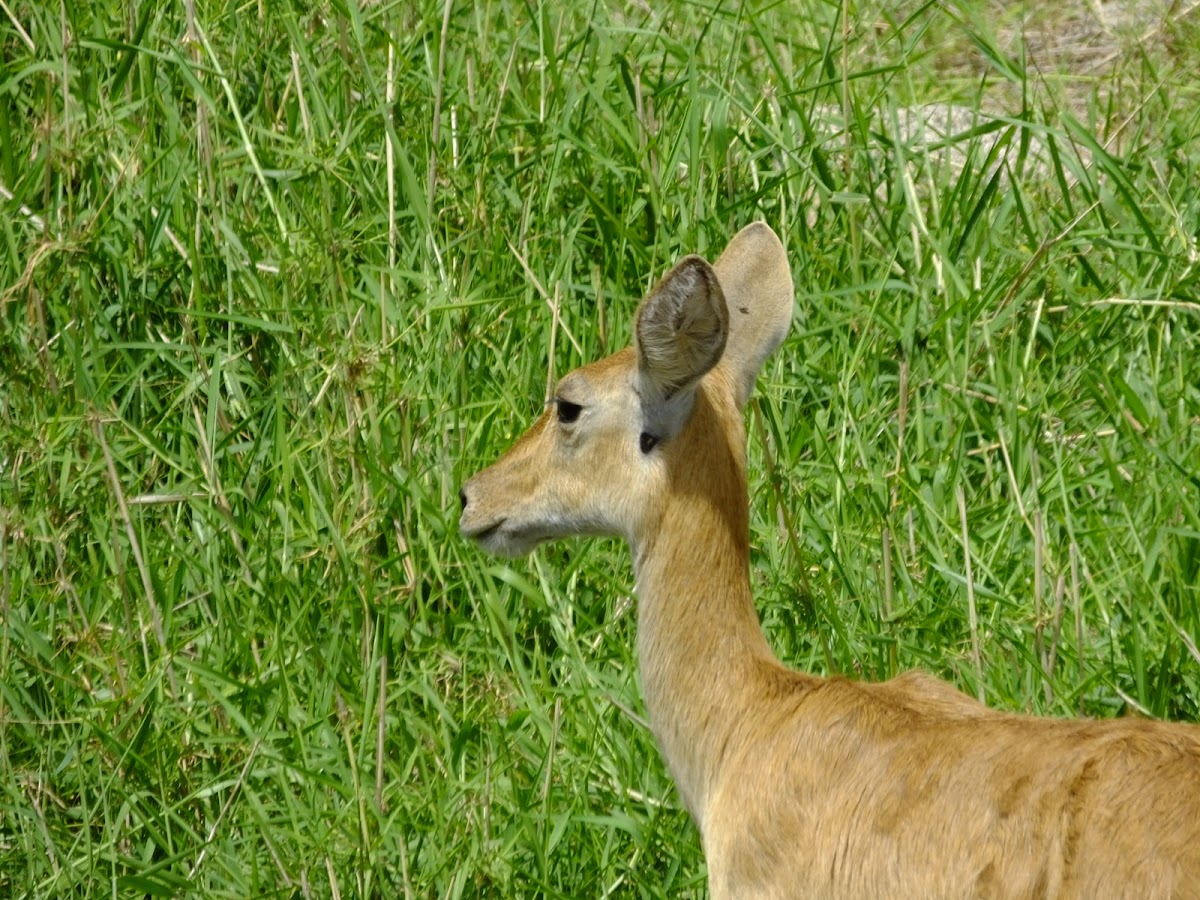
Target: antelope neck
column 700, row 645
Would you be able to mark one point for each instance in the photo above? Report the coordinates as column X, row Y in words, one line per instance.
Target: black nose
column 462, row 498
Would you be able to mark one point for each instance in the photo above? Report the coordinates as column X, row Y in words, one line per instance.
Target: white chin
column 502, row 543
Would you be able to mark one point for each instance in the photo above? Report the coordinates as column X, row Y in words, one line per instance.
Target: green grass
column 274, row 281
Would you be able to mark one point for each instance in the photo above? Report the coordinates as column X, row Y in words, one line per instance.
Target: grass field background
column 275, row 278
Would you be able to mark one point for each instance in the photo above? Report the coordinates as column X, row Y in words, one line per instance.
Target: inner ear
column 681, row 328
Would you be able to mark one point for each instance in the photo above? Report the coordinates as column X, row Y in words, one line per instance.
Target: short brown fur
column 803, row 786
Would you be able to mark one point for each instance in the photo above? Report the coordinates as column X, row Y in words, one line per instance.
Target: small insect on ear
column 648, row 441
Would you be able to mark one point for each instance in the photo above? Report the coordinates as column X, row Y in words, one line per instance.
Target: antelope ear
column 680, row 334
column 757, row 281
column 681, row 330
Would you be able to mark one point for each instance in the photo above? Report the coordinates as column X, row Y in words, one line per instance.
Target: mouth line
column 479, row 535
column 504, row 538
column 490, row 532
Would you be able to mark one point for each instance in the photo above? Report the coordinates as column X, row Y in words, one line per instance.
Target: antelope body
column 804, row 786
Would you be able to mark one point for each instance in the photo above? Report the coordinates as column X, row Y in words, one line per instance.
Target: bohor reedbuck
column 803, row 786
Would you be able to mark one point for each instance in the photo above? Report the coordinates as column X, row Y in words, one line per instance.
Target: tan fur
column 803, row 786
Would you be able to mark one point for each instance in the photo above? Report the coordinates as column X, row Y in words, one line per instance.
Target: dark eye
column 648, row 442
column 568, row 412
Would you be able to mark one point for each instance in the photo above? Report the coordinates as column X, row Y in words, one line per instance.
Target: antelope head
column 607, row 452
